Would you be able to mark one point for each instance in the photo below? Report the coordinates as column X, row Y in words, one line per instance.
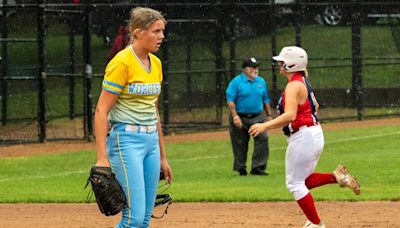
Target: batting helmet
column 294, row 58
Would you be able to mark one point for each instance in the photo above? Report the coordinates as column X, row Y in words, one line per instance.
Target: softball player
column 297, row 111
column 133, row 146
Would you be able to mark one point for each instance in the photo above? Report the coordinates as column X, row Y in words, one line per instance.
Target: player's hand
column 103, row 163
column 166, row 169
column 257, row 129
column 237, row 122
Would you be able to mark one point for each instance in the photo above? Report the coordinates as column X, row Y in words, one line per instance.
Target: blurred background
column 53, row 56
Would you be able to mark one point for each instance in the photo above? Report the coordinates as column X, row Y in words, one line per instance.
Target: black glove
column 109, row 195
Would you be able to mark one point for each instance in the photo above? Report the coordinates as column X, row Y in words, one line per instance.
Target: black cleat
column 258, row 172
column 242, row 172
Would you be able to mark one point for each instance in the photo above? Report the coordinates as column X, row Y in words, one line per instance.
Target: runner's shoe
column 312, row 225
column 345, row 179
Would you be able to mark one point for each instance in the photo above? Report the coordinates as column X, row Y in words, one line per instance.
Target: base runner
column 297, row 111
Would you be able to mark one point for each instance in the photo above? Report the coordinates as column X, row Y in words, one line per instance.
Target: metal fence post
column 88, row 72
column 356, row 58
column 71, row 80
column 4, row 64
column 298, row 9
column 218, row 62
column 189, row 72
column 232, row 44
column 165, row 82
column 273, row 52
column 165, row 91
column 41, row 20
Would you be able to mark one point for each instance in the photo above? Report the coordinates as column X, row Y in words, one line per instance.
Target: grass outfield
column 203, row 171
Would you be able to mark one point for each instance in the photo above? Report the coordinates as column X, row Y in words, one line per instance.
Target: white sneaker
column 312, row 225
column 345, row 179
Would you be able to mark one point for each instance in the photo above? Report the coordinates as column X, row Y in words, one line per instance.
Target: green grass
column 202, row 171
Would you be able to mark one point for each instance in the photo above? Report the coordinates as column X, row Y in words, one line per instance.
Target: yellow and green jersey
column 138, row 88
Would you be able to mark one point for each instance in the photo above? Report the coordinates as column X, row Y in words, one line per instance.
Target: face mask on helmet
column 294, row 58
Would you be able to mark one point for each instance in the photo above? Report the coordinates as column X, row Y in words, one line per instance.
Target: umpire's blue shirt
column 248, row 96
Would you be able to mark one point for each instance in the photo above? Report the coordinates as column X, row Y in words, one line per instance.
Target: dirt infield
column 218, row 215
column 193, row 215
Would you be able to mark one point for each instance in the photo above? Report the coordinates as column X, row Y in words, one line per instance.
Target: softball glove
column 109, row 195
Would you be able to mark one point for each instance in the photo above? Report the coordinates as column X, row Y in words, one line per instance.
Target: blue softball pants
column 135, row 159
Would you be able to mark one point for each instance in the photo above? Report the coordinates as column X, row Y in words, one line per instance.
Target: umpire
column 247, row 96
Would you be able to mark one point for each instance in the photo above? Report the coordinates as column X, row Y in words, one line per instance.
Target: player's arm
column 165, row 167
column 292, row 99
column 106, row 101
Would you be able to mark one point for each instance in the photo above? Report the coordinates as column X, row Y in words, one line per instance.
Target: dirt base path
column 218, row 215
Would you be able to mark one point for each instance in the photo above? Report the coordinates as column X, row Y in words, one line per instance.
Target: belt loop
column 141, row 128
column 111, row 129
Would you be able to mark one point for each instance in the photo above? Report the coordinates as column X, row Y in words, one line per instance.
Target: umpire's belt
column 248, row 115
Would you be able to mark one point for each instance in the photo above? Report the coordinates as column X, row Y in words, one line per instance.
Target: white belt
column 141, row 128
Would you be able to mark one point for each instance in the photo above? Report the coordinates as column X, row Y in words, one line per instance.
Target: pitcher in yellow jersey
column 127, row 124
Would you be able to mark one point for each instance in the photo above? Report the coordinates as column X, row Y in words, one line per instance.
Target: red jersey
column 306, row 113
column 121, row 41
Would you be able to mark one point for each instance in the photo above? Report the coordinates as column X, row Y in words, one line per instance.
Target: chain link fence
column 53, row 56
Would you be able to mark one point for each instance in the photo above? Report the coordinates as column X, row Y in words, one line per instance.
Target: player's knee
column 293, row 186
column 297, row 189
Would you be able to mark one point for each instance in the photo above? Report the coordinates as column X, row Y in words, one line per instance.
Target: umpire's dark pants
column 240, row 140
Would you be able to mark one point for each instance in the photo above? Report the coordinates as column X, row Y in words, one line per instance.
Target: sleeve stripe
column 113, row 84
column 111, row 91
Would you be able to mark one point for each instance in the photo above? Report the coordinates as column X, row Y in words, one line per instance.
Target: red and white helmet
column 294, row 58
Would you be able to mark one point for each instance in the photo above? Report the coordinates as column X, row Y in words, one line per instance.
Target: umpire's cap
column 250, row 62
